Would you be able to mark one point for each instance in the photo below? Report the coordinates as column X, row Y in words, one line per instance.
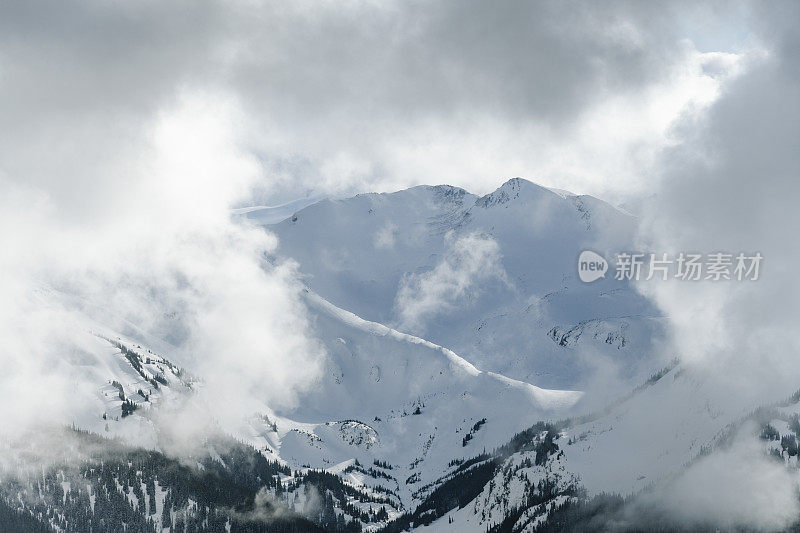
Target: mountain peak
column 511, row 190
column 516, row 183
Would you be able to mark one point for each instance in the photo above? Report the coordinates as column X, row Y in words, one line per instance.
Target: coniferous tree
column 151, row 496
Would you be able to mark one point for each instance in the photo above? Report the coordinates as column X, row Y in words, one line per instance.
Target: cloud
column 739, row 486
column 730, row 185
column 156, row 247
column 348, row 97
column 470, row 261
column 383, row 96
column 385, row 236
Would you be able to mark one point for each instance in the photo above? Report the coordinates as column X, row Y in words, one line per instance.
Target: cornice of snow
column 546, row 398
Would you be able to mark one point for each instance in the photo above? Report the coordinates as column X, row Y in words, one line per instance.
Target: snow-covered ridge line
column 385, row 331
column 547, row 398
column 270, row 214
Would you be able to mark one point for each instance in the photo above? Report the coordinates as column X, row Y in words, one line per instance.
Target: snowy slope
column 643, row 440
column 396, row 398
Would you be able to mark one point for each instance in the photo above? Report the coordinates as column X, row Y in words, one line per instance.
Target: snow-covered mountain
column 471, row 381
column 487, row 277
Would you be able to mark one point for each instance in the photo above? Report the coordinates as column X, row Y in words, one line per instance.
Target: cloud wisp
column 470, row 261
column 162, row 253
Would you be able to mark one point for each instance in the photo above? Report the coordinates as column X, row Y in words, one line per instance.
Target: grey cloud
column 731, row 185
column 543, row 60
column 384, row 78
column 336, row 96
column 81, row 85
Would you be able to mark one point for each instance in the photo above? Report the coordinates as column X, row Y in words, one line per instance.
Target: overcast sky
column 345, row 97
